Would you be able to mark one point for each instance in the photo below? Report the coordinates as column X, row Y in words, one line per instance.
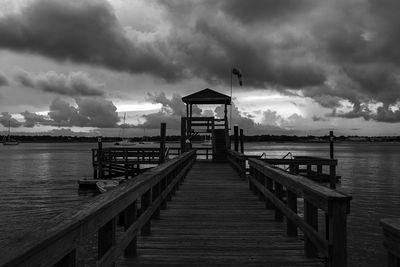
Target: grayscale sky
column 309, row 66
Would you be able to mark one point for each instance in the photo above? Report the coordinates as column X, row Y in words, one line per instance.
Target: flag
column 237, row 72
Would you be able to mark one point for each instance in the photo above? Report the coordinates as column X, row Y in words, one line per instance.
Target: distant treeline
column 176, row 138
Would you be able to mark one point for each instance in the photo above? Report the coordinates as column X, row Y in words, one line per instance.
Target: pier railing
column 281, row 191
column 57, row 242
column 391, row 231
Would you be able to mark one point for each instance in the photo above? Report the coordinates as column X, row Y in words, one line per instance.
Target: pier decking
column 215, row 220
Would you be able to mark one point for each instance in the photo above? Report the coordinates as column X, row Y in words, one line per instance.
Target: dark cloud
column 173, row 106
column 265, row 11
column 382, row 114
column 74, row 84
column 90, row 112
column 7, row 120
column 317, row 118
column 3, row 79
column 82, row 31
column 33, row 119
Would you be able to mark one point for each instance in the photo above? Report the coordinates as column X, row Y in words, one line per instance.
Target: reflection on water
column 39, row 181
column 370, row 173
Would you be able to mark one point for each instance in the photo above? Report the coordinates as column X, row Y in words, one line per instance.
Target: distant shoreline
column 247, row 139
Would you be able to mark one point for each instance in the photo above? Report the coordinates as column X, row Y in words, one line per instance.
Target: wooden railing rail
column 271, row 183
column 391, row 231
column 238, row 162
column 312, row 167
column 280, row 190
column 55, row 243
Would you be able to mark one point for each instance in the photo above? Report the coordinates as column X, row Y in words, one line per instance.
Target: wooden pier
column 213, row 220
column 233, row 210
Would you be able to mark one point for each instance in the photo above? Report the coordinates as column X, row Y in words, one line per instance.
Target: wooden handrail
column 280, row 190
column 56, row 241
column 391, row 231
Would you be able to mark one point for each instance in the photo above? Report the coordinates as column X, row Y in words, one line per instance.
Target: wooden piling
column 183, row 135
column 331, row 144
column 100, row 157
column 241, row 141
column 163, row 130
column 130, row 216
column 236, row 137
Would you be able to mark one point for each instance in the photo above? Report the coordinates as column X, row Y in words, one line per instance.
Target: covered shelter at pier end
column 217, row 127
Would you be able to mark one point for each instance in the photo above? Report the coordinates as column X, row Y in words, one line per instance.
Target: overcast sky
column 308, row 66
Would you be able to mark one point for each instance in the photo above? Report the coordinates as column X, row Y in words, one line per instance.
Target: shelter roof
column 207, row 96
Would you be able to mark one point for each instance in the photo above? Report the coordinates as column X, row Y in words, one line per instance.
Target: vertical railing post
column 311, row 218
column 130, row 216
column 241, row 141
column 68, row 260
column 279, row 195
column 291, row 227
column 269, row 184
column 100, row 156
column 252, row 174
column 243, row 167
column 331, row 153
column 236, row 137
column 337, row 211
column 155, row 194
column 332, row 176
column 146, row 202
column 261, row 180
column 106, row 238
column 163, row 130
column 183, row 135
column 126, row 163
column 163, row 187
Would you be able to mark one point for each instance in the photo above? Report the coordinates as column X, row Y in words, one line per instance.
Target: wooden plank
column 215, row 221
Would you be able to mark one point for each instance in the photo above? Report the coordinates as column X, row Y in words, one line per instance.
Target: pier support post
column 279, row 195
column 311, row 218
column 155, row 194
column 236, row 137
column 183, row 135
column 338, row 234
column 100, row 157
column 69, row 260
column 146, row 202
column 106, row 238
column 163, row 131
column 269, row 185
column 130, row 216
column 331, row 144
column 291, row 228
column 241, row 141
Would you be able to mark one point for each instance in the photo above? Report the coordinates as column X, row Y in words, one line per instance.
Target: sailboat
column 7, row 140
column 125, row 141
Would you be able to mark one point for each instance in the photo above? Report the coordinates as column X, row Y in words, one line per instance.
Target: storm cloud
column 334, row 52
column 7, row 120
column 74, row 84
column 88, row 112
column 84, row 32
column 3, row 79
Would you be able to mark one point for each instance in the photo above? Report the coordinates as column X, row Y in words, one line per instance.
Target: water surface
column 39, row 181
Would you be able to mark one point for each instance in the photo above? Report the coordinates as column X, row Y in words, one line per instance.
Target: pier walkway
column 215, row 220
